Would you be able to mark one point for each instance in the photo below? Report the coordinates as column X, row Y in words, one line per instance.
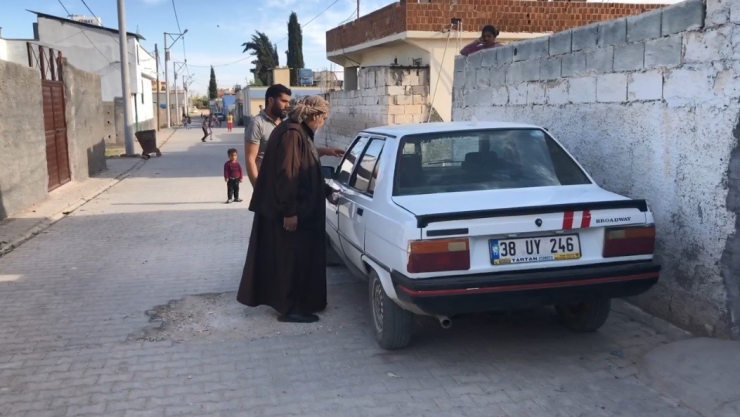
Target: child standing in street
column 230, row 121
column 233, row 176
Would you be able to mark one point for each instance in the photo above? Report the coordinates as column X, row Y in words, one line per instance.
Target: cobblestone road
column 74, row 303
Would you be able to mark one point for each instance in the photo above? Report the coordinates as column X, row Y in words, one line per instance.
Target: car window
column 348, row 163
column 483, row 160
column 364, row 173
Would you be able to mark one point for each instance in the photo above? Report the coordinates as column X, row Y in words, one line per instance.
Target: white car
column 453, row 218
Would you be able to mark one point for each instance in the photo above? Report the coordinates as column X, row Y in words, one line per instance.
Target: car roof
column 441, row 127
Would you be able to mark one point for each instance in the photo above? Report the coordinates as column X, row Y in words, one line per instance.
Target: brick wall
column 650, row 105
column 385, row 96
column 506, row 15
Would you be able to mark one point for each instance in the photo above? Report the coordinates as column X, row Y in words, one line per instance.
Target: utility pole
column 358, row 9
column 166, row 80
column 128, row 133
column 166, row 74
column 176, row 69
column 156, row 57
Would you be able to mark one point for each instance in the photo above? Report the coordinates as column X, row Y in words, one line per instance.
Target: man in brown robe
column 286, row 259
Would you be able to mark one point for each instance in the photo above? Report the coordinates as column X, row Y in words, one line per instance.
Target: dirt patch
column 220, row 317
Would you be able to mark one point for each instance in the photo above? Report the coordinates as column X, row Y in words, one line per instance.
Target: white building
column 95, row 49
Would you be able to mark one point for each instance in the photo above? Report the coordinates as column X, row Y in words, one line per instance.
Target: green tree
column 265, row 53
column 295, row 48
column 212, row 86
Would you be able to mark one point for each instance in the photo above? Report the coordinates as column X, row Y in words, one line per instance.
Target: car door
column 355, row 201
column 340, row 183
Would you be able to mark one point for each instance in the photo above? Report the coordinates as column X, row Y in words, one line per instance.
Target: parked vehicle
column 220, row 116
column 445, row 219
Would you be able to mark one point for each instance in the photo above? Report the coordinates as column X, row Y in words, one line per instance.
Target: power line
column 176, row 18
column 85, row 34
column 250, row 57
column 108, row 33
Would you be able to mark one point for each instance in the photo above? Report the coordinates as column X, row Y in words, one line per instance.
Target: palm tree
column 265, row 53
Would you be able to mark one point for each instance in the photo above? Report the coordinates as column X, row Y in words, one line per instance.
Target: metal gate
column 49, row 63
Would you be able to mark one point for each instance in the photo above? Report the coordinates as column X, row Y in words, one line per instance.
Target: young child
column 232, row 176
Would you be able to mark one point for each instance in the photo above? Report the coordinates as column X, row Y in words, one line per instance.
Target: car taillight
column 439, row 255
column 629, row 241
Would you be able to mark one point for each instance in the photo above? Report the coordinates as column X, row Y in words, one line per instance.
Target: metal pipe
column 444, row 321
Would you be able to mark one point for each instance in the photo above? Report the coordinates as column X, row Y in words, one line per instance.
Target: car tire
column 585, row 317
column 391, row 323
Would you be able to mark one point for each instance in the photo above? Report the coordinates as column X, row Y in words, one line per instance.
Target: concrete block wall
column 23, row 175
column 650, row 105
column 385, row 96
column 85, row 123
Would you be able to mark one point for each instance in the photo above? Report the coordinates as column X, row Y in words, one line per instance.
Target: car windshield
column 483, row 160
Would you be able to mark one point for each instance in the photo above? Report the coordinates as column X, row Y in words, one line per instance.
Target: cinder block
column 483, row 77
column 663, row 52
column 504, row 54
column 707, row 46
column 418, row 90
column 395, row 109
column 518, row 94
column 611, row 88
column 488, row 58
column 557, row 92
column 403, row 99
column 515, row 73
column 645, row 86
column 683, row 16
column 498, row 75
column 629, row 57
column 644, row 26
column 683, row 86
column 585, row 37
column 458, row 80
column 613, row 32
column 718, row 12
column 560, row 42
column 536, row 93
column 397, row 90
column 402, row 119
column 412, row 109
column 550, row 69
column 500, row 96
column 475, row 60
column 460, row 63
column 479, row 97
column 574, row 64
column 735, row 12
column 600, row 61
column 582, row 89
column 419, row 99
column 531, row 49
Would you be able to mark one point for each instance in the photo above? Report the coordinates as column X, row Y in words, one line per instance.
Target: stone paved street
column 126, row 308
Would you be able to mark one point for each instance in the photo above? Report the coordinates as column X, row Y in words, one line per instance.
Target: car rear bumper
column 495, row 292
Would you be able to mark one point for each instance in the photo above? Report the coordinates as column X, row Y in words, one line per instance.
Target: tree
column 212, row 86
column 295, row 48
column 265, row 53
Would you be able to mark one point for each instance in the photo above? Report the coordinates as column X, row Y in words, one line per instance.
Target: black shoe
column 299, row 318
column 238, row 200
column 228, row 201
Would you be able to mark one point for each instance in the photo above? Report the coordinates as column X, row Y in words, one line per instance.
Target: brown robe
column 287, row 270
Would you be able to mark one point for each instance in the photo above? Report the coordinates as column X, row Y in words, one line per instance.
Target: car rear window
column 483, row 160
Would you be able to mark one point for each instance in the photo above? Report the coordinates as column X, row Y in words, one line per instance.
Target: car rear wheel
column 392, row 324
column 585, row 317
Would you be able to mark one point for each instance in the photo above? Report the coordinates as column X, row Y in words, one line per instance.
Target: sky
column 216, row 30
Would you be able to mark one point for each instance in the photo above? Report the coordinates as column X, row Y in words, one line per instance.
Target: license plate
column 535, row 249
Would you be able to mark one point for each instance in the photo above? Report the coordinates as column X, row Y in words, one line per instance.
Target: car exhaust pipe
column 445, row 322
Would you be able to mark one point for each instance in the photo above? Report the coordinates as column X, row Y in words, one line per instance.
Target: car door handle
column 360, row 211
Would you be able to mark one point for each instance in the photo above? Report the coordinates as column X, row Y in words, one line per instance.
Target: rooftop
column 441, row 127
column 83, row 24
column 506, row 15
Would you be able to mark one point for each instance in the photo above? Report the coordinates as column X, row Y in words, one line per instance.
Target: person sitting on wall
column 487, row 40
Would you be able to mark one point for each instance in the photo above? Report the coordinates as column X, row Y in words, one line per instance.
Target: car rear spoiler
column 424, row 219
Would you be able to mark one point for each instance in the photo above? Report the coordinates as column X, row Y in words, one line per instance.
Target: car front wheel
column 585, row 317
column 392, row 324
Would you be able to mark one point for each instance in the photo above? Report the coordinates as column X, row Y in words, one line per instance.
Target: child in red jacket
column 232, row 176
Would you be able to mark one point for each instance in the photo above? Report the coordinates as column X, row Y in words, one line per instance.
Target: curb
column 72, row 207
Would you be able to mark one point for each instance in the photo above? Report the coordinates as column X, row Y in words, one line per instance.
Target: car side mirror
column 327, row 171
